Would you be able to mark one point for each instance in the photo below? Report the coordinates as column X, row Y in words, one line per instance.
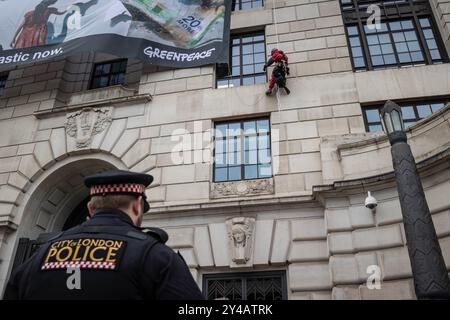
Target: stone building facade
column 302, row 230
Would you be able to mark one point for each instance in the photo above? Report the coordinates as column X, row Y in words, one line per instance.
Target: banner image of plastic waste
column 174, row 33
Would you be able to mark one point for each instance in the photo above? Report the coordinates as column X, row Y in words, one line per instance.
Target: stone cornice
column 97, row 97
column 380, row 138
column 386, row 178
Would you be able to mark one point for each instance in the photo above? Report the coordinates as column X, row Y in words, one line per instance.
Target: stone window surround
column 353, row 15
column 414, row 103
column 228, row 67
column 110, row 74
column 242, row 149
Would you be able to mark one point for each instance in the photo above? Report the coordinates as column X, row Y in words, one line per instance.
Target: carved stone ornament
column 242, row 188
column 84, row 124
column 240, row 233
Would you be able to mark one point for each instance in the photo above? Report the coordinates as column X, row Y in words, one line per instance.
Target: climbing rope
column 275, row 21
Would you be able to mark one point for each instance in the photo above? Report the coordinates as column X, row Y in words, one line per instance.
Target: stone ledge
column 97, row 97
column 242, row 188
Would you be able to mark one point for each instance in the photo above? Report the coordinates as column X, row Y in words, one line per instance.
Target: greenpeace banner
column 175, row 33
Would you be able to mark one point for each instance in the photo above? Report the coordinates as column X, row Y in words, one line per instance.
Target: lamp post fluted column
column 430, row 274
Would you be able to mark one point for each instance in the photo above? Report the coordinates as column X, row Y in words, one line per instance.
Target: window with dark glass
column 109, row 74
column 3, row 80
column 246, row 286
column 246, row 4
column 247, row 59
column 242, row 150
column 405, row 35
column 412, row 112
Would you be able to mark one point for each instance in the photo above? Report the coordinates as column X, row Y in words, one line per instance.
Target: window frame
column 356, row 15
column 405, row 103
column 242, row 148
column 245, row 276
column 3, row 80
column 241, row 75
column 109, row 75
column 239, row 3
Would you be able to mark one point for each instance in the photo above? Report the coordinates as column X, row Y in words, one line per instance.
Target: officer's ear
column 136, row 206
column 90, row 209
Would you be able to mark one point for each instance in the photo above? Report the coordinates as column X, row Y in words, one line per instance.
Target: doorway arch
column 54, row 201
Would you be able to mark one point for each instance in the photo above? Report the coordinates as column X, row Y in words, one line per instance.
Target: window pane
column 375, row 128
column 428, row 34
column 408, row 113
column 250, row 143
column 377, row 60
column 249, row 127
column 251, row 157
column 436, row 106
column 221, row 129
column 246, row 49
column 264, row 156
column 398, row 37
column 234, row 173
column 375, row 50
column 259, row 68
column 234, row 129
column 233, row 144
column 259, row 58
column 373, row 115
column 384, row 38
column 435, row 55
column 423, row 110
column 389, row 59
column 263, row 142
column 258, row 38
column 395, row 25
column 352, row 31
column 220, row 160
column 354, row 42
column 259, row 47
column 247, row 59
column 357, row 52
column 265, row 170
column 251, row 172
column 359, row 62
column 410, row 35
column 425, row 22
column 220, row 174
column 233, row 158
column 417, row 56
column 250, row 69
column 387, row 48
column 404, row 57
column 260, row 79
column 432, row 44
column 407, row 24
column 372, row 39
column 263, row 126
column 413, row 46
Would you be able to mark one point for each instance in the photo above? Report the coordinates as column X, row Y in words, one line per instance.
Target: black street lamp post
column 430, row 275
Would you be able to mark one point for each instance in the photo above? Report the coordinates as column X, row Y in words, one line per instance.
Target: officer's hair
column 111, row 201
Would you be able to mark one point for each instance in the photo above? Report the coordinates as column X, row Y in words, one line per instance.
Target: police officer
column 109, row 256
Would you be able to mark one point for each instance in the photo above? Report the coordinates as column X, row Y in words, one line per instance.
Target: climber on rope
column 279, row 72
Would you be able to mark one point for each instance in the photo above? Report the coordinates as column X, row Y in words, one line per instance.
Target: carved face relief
column 240, row 232
column 84, row 124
